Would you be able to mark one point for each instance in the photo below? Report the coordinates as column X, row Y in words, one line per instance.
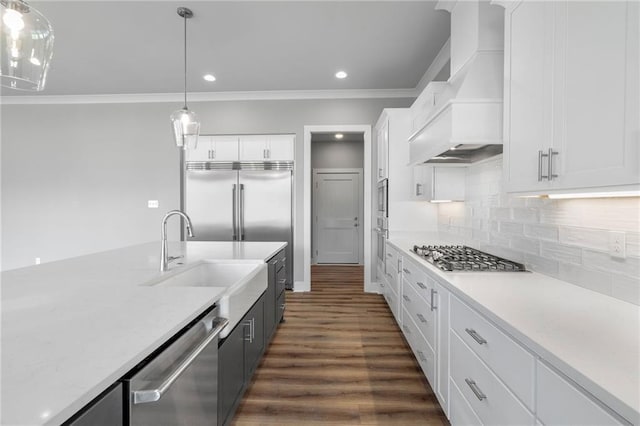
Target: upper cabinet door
column 597, row 94
column 280, row 147
column 202, row 151
column 225, row 148
column 528, row 89
column 253, row 148
column 383, row 150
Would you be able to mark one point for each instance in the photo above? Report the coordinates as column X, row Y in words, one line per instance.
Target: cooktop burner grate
column 463, row 258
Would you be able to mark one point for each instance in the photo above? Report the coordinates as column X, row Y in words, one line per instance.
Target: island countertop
column 72, row 328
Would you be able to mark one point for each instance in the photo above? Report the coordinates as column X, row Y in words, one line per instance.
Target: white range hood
column 469, row 115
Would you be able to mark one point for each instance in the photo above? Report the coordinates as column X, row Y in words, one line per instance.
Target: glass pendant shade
column 26, row 40
column 186, row 128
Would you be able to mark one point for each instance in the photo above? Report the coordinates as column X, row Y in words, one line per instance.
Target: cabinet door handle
column 478, row 338
column 406, row 329
column 418, row 189
column 399, row 268
column 282, row 306
column 433, row 300
column 380, row 173
column 389, row 255
column 421, row 285
column 406, row 271
column 421, row 318
column 541, row 156
column 406, row 298
column 421, row 356
column 475, row 389
column 550, row 159
column 248, row 338
column 382, row 285
column 213, row 154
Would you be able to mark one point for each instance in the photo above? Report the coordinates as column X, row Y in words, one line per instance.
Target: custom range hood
column 466, row 125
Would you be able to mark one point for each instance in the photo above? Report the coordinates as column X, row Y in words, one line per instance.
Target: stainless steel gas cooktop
column 463, row 258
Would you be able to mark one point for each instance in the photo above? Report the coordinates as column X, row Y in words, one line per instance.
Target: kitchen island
column 72, row 328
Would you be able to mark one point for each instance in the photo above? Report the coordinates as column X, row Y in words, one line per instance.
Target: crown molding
column 209, row 96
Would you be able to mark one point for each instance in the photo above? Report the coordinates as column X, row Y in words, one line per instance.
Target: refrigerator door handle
column 241, row 212
column 234, row 214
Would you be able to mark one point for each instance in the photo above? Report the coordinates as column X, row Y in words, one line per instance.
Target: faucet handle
column 172, row 258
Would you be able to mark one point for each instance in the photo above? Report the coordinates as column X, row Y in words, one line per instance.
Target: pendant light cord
column 185, row 61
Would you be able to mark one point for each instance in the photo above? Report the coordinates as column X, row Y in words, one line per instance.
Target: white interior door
column 337, row 218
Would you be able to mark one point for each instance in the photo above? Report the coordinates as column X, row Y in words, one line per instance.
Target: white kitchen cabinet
column 572, row 118
column 214, row 148
column 558, row 402
column 267, row 148
column 441, row 307
column 382, row 133
column 438, row 182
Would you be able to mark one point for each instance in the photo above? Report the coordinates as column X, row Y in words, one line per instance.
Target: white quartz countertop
column 592, row 338
column 72, row 328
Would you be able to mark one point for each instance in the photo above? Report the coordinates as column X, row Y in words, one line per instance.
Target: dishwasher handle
column 153, row 395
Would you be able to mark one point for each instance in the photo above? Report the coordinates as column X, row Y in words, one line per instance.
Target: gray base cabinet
column 241, row 352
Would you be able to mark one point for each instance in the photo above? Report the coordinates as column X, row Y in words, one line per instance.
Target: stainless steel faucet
column 164, row 252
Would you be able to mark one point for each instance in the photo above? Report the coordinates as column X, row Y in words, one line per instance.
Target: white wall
column 567, row 239
column 76, row 178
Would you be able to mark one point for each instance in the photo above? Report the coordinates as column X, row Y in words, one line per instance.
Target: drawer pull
column 421, row 285
column 406, row 271
column 478, row 338
column 406, row 298
column 433, row 300
column 382, row 285
column 406, row 329
column 283, row 306
column 475, row 389
column 421, row 318
column 389, row 255
column 421, row 356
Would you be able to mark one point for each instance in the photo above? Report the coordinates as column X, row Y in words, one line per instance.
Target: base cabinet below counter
column 106, row 410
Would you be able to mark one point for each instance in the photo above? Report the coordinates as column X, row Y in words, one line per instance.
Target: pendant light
column 185, row 123
column 26, row 40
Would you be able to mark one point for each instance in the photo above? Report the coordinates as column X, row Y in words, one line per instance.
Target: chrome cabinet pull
column 382, row 285
column 405, row 297
column 433, row 300
column 406, row 329
column 399, row 268
column 248, row 338
column 241, row 205
column 153, row 395
column 388, row 254
column 418, row 189
column 550, row 159
column 406, row 271
column 421, row 356
column 478, row 338
column 421, row 318
column 283, row 306
column 475, row 389
column 234, row 213
column 421, row 285
column 541, row 156
column 213, row 154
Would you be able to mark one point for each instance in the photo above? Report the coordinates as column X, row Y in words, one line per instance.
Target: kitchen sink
column 244, row 283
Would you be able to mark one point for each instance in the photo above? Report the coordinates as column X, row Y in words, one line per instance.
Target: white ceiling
column 135, row 47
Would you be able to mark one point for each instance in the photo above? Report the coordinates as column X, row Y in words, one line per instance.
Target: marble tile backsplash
column 566, row 239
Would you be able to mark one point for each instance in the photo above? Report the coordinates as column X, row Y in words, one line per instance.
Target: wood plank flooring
column 339, row 359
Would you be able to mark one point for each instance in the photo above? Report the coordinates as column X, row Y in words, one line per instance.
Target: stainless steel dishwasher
column 179, row 386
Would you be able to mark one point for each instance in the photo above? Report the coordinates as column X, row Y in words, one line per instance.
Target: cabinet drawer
column 423, row 284
column 422, row 350
column 561, row 403
column 510, row 361
column 392, row 257
column 490, row 399
column 420, row 312
column 460, row 412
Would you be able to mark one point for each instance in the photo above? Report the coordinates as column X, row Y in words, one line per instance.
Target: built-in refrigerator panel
column 209, row 202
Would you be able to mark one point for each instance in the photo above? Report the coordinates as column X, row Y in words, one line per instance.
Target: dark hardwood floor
column 339, row 359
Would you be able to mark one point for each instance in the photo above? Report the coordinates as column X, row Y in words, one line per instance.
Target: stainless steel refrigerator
column 241, row 201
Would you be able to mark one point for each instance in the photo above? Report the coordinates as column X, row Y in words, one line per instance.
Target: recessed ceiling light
column 339, row 135
column 341, row 74
column 209, row 77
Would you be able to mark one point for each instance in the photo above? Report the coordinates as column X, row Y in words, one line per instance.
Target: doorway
column 313, row 132
column 337, row 216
